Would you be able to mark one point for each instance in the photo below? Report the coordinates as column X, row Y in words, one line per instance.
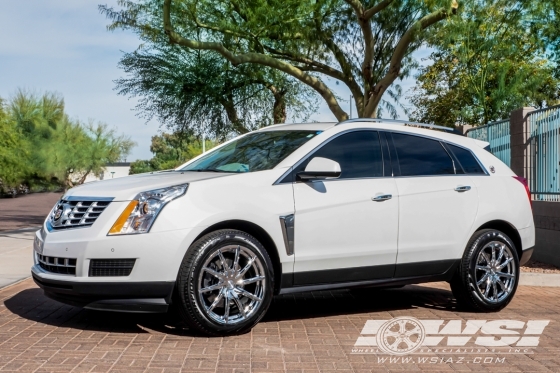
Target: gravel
column 539, row 267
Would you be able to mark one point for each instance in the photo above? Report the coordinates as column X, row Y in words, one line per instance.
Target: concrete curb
column 14, row 283
column 539, row 279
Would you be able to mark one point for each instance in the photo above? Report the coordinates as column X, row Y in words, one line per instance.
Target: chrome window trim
column 287, row 222
column 386, row 131
column 445, row 142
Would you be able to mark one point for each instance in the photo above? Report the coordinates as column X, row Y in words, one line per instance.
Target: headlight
column 141, row 212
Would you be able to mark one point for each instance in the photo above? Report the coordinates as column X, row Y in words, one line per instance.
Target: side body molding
column 287, row 223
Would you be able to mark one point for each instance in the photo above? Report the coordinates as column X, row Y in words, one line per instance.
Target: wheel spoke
column 509, row 260
column 226, row 306
column 501, row 255
column 485, row 256
column 495, row 289
column 504, row 287
column 494, row 253
column 223, row 260
column 402, row 326
column 390, row 333
column 249, row 295
column 211, row 288
column 482, row 268
column 502, row 274
column 479, row 282
column 236, row 259
column 488, row 283
column 216, row 301
column 252, row 280
column 416, row 330
column 247, row 266
column 212, row 272
column 239, row 305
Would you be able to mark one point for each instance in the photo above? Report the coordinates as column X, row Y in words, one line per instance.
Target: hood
column 126, row 188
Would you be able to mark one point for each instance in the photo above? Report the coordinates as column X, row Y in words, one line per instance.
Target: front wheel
column 225, row 284
column 488, row 274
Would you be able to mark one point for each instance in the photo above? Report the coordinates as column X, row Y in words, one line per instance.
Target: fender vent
column 110, row 267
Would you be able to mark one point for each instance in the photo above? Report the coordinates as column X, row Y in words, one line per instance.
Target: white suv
column 292, row 208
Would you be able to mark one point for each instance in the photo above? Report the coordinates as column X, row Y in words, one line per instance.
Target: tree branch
column 399, row 53
column 256, row 58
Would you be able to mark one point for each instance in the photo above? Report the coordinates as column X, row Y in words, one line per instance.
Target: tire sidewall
column 205, row 247
column 476, row 247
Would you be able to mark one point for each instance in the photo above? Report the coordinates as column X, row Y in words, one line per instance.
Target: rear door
column 438, row 205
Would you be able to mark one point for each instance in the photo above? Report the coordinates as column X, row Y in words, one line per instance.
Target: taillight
column 523, row 181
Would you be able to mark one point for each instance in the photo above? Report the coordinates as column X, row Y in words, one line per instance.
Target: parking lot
column 310, row 332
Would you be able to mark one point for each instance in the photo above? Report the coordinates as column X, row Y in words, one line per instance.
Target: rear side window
column 419, row 156
column 358, row 153
column 467, row 160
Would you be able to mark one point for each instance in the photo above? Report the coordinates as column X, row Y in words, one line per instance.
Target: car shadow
column 31, row 304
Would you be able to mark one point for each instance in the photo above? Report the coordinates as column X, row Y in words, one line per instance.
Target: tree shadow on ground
column 31, row 304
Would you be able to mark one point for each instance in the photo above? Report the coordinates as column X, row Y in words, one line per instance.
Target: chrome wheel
column 231, row 285
column 495, row 272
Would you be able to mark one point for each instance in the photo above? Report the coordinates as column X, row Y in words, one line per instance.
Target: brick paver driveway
column 311, row 332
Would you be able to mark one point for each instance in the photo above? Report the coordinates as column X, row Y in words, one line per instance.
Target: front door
column 346, row 229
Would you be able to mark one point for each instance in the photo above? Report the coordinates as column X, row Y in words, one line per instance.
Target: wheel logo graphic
column 401, row 336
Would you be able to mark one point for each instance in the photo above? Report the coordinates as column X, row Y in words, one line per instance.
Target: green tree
column 170, row 151
column 14, row 150
column 363, row 45
column 488, row 61
column 198, row 91
column 48, row 148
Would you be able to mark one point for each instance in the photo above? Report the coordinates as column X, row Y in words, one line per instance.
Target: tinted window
column 421, row 156
column 358, row 153
column 255, row 152
column 467, row 160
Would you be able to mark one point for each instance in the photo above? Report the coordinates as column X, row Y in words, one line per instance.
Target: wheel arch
column 508, row 229
column 261, row 235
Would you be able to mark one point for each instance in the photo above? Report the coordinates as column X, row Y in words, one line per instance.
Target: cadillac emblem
column 58, row 213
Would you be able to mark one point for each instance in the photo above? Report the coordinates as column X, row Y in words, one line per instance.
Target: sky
column 63, row 46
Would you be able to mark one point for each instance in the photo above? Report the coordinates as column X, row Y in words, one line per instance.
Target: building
column 111, row 171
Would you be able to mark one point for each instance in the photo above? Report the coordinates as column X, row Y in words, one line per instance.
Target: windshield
column 254, row 152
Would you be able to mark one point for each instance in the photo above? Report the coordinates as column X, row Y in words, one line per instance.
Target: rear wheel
column 225, row 283
column 487, row 277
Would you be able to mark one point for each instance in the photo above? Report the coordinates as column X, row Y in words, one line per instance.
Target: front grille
column 64, row 266
column 110, row 267
column 76, row 214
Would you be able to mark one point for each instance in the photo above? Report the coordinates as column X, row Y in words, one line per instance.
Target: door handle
column 381, row 198
column 462, row 188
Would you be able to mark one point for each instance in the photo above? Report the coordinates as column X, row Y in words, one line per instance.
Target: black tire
column 464, row 285
column 203, row 258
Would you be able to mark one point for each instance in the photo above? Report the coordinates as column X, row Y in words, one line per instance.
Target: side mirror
column 319, row 169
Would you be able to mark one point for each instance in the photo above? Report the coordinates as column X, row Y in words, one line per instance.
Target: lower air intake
column 110, row 267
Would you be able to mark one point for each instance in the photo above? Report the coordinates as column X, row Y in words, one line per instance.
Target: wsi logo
column 406, row 335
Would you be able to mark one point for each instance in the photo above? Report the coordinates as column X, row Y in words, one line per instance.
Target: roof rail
column 404, row 123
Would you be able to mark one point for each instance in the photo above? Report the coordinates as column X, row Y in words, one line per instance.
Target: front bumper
column 141, row 297
column 147, row 287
